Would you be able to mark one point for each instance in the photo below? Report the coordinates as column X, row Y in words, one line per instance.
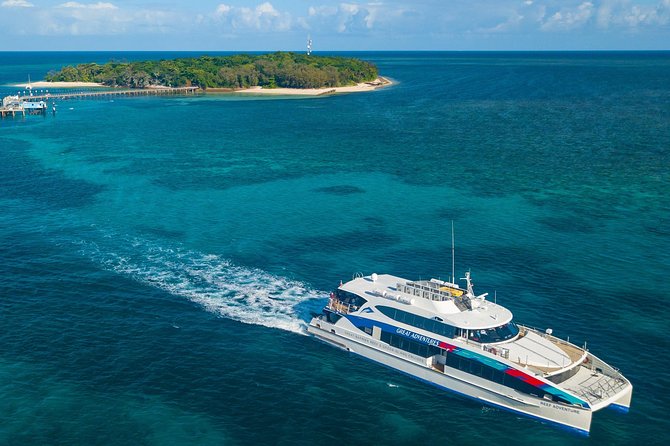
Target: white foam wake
column 247, row 295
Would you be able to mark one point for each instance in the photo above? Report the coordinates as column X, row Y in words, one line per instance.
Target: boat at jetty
column 13, row 105
column 450, row 337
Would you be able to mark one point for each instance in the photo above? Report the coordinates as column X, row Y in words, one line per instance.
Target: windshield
column 496, row 334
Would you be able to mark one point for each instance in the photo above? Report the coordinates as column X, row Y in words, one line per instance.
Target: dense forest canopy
column 281, row 69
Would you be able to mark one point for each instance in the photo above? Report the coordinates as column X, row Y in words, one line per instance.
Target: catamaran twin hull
column 439, row 333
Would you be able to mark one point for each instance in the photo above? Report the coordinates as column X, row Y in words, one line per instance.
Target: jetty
column 12, row 105
column 36, row 103
column 126, row 92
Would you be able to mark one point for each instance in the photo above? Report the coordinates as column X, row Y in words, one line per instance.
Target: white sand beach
column 46, row 84
column 364, row 86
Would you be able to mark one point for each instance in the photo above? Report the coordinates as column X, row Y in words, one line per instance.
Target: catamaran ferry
column 446, row 335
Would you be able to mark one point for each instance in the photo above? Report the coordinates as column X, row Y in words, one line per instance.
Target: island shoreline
column 360, row 87
column 380, row 82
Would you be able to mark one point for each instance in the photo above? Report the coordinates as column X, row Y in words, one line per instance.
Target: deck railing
column 340, row 307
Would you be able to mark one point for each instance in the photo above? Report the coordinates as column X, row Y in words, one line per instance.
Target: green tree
column 283, row 69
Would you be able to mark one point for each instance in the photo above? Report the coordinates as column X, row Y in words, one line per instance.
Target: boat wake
column 247, row 295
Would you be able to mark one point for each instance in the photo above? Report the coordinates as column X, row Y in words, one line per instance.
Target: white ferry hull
column 622, row 403
column 572, row 417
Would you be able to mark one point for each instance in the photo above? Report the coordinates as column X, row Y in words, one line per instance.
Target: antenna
column 453, row 259
column 309, row 44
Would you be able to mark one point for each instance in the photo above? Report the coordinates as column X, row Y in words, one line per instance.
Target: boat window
column 477, row 368
column 348, row 298
column 432, row 325
column 332, row 317
column 496, row 334
column 409, row 345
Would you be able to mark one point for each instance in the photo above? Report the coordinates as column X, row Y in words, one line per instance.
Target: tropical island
column 273, row 71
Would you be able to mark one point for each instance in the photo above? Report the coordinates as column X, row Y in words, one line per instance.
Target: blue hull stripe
column 363, row 322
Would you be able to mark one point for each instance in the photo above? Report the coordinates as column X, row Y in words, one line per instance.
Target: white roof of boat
column 484, row 314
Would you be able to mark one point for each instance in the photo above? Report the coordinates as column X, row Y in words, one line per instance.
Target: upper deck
column 433, row 299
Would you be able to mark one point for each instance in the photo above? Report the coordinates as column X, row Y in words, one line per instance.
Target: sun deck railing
column 431, row 292
column 498, row 351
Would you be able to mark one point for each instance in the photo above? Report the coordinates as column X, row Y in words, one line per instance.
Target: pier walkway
column 99, row 94
column 17, row 105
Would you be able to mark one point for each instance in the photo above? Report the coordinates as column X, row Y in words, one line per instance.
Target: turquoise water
column 161, row 256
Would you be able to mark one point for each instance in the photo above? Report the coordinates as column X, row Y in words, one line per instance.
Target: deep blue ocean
column 160, row 256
